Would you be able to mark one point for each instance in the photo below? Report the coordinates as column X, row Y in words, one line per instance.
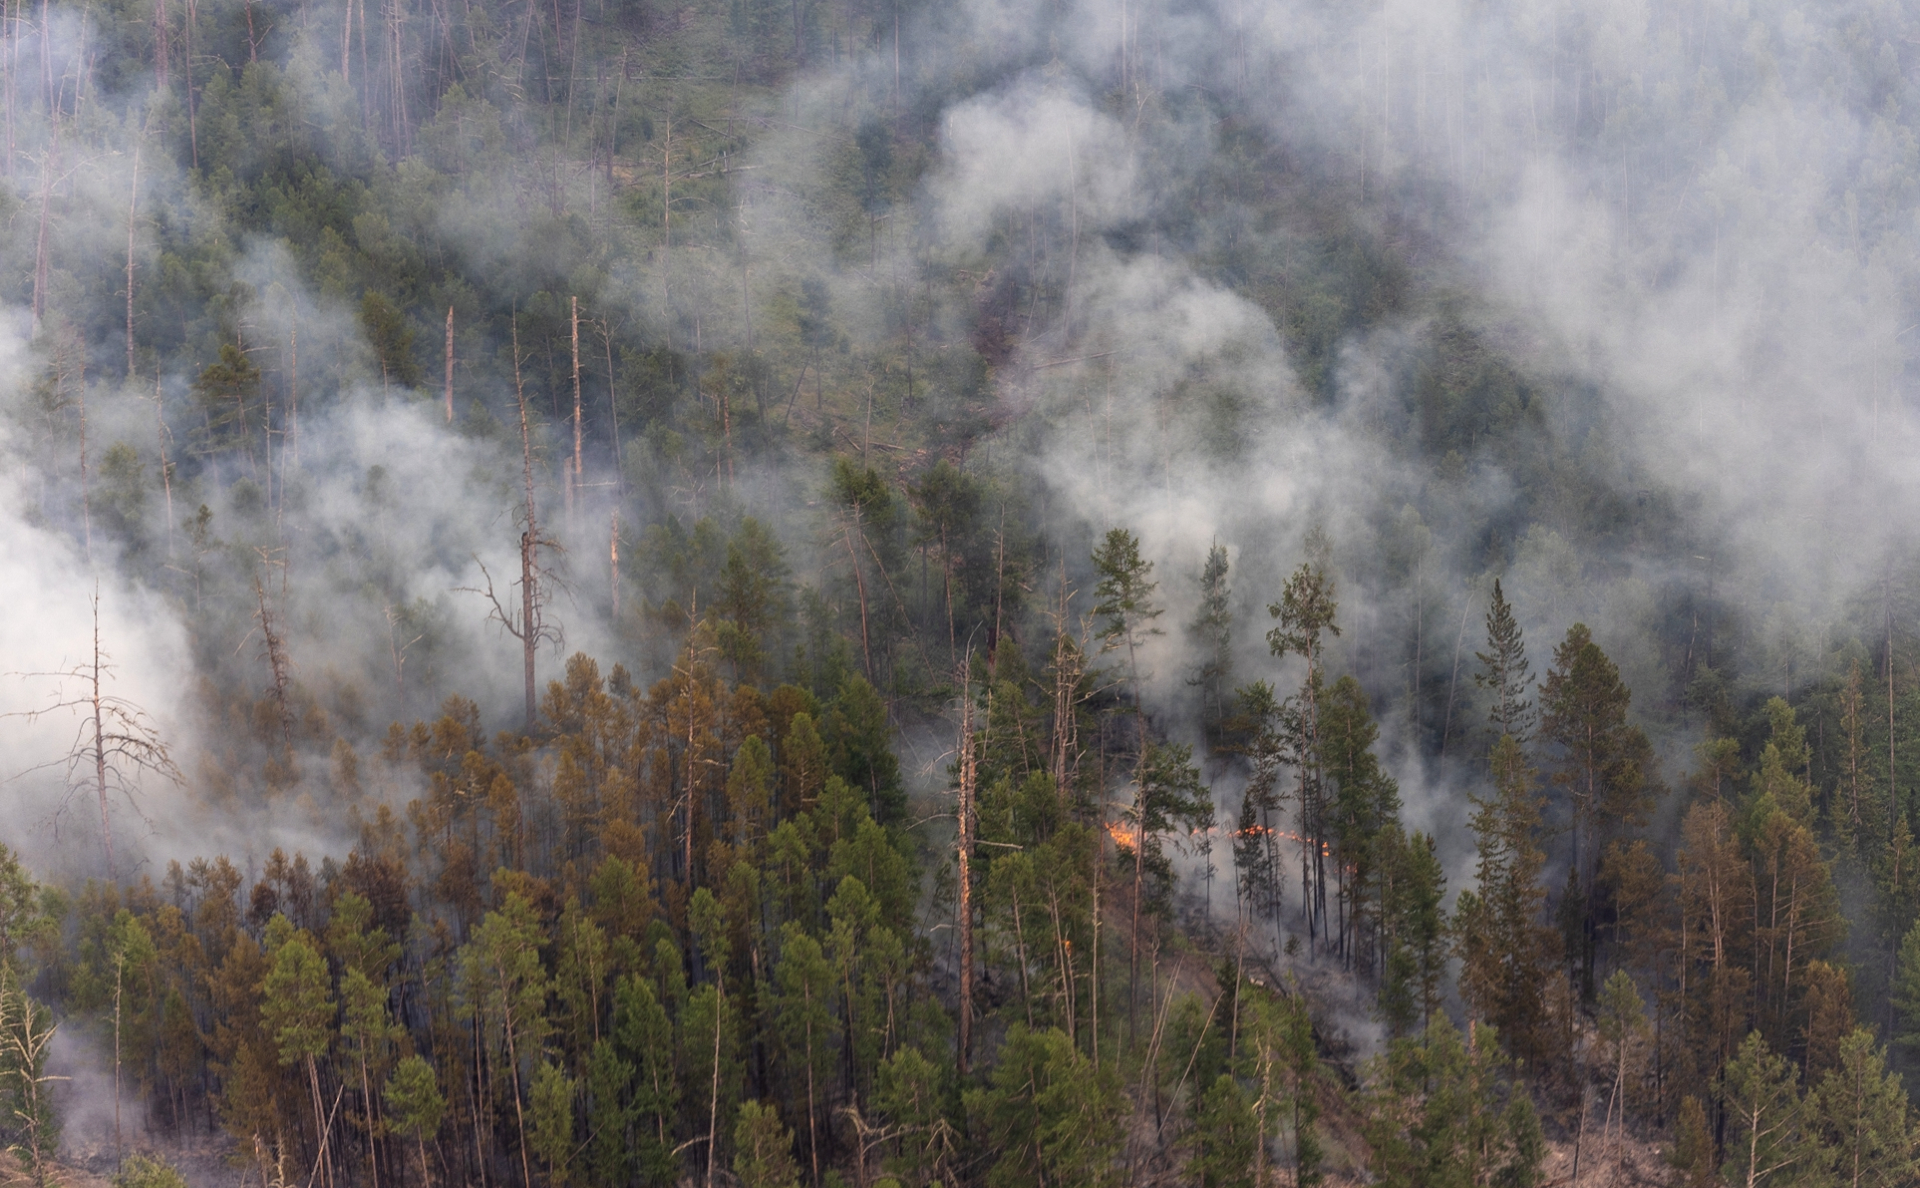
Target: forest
column 885, row 593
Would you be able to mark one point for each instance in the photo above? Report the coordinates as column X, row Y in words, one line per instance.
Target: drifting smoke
column 1667, row 253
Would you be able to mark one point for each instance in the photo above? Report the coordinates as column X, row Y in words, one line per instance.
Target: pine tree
column 642, row 1037
column 1505, row 673
column 297, row 1011
column 1048, row 1115
column 1498, row 933
column 507, row 990
column 1623, row 1032
column 1415, row 928
column 1768, row 1140
column 1606, row 766
column 1366, row 802
column 1224, row 1134
column 803, row 986
column 1691, row 1156
column 1126, row 610
column 416, row 1106
column 31, row 1125
column 1168, row 795
column 1307, row 610
column 1212, row 634
column 763, row 1149
column 1859, row 1111
column 550, row 1120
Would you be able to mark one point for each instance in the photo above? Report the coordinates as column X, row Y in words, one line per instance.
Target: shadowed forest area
column 872, row 592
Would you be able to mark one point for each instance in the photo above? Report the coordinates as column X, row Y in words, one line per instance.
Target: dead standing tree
column 114, row 744
column 526, row 622
column 274, row 650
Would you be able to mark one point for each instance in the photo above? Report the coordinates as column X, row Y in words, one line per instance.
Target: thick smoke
column 1685, row 228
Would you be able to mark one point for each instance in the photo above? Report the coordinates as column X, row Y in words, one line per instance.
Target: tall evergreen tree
column 1505, row 673
column 1768, row 1138
column 1212, row 634
column 1859, row 1112
column 1307, row 610
column 1499, row 935
column 1604, row 767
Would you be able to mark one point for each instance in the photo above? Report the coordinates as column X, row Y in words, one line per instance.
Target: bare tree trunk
column 48, row 164
column 321, row 1129
column 366, row 1097
column 860, row 585
column 160, row 42
column 613, row 410
column 119, row 975
column 166, row 468
column 574, row 491
column 963, row 846
column 193, row 125
column 529, row 593
column 293, row 388
column 86, row 489
column 519, row 1114
column 100, row 740
column 277, row 665
column 133, row 206
column 449, row 364
column 813, row 1131
column 713, row 1102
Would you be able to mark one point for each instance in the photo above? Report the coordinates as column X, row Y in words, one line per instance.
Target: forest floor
column 205, row 1162
column 1638, row 1162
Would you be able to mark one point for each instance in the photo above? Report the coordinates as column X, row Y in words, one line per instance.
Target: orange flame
column 1125, row 835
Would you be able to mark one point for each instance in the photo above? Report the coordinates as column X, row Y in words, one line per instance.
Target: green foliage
column 763, row 1149
column 1859, row 1114
column 1211, row 631
column 144, row 1171
column 29, row 1123
column 1768, row 1138
column 1307, row 608
column 1415, row 929
column 22, row 922
column 1504, row 945
column 415, row 1105
column 1691, row 1156
column 1225, row 1132
column 550, row 1119
column 1125, row 611
column 1048, row 1114
column 1504, row 673
column 297, row 1006
column 1443, row 1114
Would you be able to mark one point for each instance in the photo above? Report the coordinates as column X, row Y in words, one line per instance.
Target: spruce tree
column 1505, row 673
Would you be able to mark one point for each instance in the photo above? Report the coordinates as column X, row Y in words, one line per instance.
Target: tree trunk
column 529, row 539
column 133, row 206
column 963, row 846
column 519, row 1113
column 449, row 364
column 574, row 481
column 713, row 1102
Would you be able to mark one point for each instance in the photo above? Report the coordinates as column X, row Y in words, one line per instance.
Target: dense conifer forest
column 893, row 593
